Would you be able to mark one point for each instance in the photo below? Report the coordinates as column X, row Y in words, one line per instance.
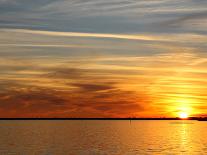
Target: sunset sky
column 100, row 58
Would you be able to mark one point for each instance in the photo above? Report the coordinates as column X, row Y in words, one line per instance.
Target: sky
column 97, row 58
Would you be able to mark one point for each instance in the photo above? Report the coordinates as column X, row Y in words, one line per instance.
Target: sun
column 183, row 115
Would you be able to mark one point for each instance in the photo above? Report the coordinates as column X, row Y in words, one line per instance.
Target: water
column 102, row 137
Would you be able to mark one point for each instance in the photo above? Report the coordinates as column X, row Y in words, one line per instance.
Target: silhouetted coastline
column 176, row 118
column 202, row 119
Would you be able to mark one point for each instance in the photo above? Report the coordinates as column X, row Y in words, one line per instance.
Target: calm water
column 102, row 137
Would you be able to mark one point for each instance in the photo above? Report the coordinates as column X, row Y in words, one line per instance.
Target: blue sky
column 116, row 16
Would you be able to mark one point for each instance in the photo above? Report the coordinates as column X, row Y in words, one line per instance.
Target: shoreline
column 193, row 118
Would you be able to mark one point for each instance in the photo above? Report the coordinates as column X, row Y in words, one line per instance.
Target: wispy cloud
column 95, row 58
column 187, row 37
column 100, row 16
column 92, row 35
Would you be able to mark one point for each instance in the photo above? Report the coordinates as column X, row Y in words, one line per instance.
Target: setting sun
column 183, row 115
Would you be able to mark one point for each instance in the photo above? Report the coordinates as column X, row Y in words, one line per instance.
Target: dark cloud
column 21, row 5
column 94, row 87
column 180, row 22
column 13, row 68
column 66, row 73
column 26, row 101
column 187, row 17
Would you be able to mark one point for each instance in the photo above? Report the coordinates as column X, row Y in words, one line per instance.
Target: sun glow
column 183, row 115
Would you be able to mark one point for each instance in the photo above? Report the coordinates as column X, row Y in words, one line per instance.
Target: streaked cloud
column 97, row 58
column 99, row 16
column 186, row 37
column 92, row 35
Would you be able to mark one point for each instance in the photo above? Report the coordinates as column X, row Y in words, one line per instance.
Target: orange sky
column 103, row 71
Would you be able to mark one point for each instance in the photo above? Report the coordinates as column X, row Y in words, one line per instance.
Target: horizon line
column 114, row 118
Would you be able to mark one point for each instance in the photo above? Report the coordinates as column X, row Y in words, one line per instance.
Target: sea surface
column 81, row 137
